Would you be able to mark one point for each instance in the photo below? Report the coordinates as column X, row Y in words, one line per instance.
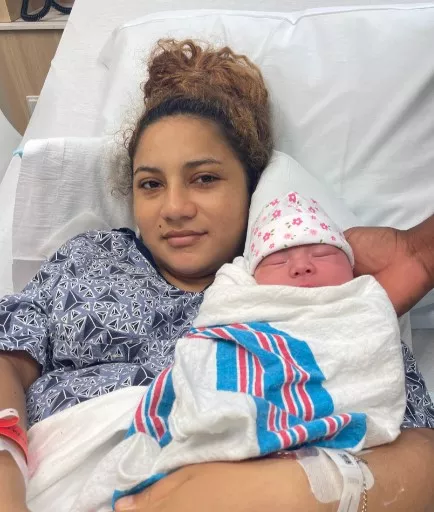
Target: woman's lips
column 183, row 238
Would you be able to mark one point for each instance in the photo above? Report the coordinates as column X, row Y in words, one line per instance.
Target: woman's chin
column 189, row 267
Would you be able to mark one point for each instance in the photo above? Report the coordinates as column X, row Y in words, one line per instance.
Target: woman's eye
column 206, row 179
column 149, row 185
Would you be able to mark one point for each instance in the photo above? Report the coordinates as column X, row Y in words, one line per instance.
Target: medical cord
column 43, row 12
column 61, row 8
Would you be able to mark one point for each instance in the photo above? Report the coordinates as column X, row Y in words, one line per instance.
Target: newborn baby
column 288, row 350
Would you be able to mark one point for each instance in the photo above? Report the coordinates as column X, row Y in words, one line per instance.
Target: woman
column 106, row 310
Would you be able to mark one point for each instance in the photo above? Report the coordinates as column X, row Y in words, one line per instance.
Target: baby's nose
column 301, row 268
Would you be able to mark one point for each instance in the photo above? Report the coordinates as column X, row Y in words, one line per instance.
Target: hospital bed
column 352, row 88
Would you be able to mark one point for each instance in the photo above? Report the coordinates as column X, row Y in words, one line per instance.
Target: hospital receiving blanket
column 65, row 449
column 267, row 368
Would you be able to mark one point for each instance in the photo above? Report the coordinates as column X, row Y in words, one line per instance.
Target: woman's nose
column 177, row 205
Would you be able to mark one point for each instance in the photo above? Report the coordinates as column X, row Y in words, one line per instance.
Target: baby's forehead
column 305, row 248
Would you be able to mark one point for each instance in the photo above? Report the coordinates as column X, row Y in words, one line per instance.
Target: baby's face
column 305, row 266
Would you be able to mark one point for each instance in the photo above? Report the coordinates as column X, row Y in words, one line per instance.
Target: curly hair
column 187, row 78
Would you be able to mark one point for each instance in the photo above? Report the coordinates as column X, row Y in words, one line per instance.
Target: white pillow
column 352, row 92
column 63, row 189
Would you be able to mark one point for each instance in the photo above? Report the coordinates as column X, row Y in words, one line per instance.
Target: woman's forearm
column 402, row 477
column 403, row 473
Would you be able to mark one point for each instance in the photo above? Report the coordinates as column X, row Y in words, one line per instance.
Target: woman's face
column 190, row 199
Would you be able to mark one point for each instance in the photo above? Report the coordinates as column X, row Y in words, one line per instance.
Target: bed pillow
column 64, row 188
column 352, row 92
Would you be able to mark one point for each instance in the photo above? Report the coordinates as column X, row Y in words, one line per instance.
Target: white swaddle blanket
column 191, row 414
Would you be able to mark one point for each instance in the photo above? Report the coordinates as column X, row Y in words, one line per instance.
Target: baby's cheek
column 259, row 275
column 272, row 274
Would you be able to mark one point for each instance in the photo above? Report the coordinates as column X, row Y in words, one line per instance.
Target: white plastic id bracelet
column 353, row 479
column 11, row 447
column 7, row 413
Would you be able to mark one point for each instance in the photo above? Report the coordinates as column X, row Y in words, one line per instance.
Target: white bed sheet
column 68, row 107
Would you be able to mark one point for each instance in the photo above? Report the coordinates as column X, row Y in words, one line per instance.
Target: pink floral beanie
column 290, row 221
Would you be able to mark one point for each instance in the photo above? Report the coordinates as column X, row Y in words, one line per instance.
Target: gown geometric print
column 98, row 317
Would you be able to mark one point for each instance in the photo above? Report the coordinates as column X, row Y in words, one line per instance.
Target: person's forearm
column 403, row 473
column 12, row 395
column 421, row 242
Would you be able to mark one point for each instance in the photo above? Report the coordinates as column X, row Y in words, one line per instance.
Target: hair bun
column 189, row 69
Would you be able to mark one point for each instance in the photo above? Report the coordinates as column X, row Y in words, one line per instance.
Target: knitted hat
column 290, row 221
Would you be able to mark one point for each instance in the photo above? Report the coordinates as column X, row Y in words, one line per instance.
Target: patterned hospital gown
column 98, row 317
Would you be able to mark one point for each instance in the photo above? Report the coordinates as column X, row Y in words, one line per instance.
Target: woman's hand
column 250, row 486
column 393, row 258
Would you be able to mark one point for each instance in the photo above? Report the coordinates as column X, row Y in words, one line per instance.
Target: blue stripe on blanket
column 152, row 418
column 152, row 415
column 293, row 408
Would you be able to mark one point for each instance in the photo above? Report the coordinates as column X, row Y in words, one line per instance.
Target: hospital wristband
column 10, row 429
column 354, row 482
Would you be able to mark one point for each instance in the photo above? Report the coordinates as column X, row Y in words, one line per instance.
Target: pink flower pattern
column 296, row 221
column 277, row 213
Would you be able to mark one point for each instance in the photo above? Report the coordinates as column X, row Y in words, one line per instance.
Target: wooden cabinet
column 26, row 52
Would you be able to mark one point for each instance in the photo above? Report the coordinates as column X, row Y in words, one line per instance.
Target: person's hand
column 388, row 255
column 249, row 486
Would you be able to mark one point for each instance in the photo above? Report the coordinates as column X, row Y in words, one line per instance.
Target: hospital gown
column 99, row 316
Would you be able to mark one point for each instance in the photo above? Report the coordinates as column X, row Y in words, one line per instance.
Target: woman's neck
column 188, row 284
